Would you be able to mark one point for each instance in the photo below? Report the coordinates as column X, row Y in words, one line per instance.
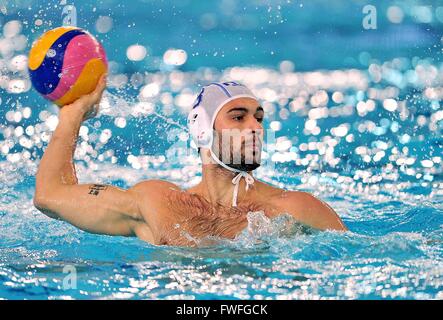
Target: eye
column 260, row 119
column 238, row 118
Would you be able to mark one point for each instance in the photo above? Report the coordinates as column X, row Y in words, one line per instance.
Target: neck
column 217, row 187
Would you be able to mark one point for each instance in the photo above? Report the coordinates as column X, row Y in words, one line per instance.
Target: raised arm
column 92, row 207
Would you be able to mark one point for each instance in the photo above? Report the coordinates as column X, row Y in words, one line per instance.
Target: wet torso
column 182, row 218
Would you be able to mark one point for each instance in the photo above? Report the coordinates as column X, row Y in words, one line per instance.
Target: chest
column 190, row 219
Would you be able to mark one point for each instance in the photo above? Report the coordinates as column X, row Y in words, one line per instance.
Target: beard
column 241, row 155
column 244, row 166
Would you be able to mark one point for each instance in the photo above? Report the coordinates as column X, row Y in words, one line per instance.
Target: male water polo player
column 160, row 212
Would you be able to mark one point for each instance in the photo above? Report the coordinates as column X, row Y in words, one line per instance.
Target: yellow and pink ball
column 66, row 63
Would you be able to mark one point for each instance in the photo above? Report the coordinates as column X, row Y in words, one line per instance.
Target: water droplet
column 51, row 53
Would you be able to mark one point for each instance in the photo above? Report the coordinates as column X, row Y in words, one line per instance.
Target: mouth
column 255, row 145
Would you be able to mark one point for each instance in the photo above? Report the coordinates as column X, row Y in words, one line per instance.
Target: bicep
column 95, row 208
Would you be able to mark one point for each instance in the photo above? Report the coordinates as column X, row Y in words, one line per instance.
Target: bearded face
column 239, row 149
column 238, row 134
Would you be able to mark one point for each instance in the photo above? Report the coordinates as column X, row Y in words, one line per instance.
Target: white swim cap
column 209, row 102
column 201, row 121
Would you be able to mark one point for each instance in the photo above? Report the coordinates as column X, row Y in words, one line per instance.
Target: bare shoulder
column 150, row 196
column 155, row 186
column 152, row 193
column 308, row 209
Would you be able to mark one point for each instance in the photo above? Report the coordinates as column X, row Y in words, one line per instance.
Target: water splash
column 262, row 229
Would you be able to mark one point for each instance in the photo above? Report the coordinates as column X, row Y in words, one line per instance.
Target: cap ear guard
column 200, row 128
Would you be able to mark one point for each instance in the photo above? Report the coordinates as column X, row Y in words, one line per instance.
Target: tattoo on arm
column 96, row 188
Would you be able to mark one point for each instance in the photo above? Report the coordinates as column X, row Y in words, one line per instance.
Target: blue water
column 357, row 120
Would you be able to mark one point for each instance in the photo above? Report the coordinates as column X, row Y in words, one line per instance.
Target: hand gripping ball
column 66, row 63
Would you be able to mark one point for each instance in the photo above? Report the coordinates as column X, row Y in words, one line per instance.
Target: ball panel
column 47, row 76
column 41, row 46
column 67, row 81
column 79, row 51
column 85, row 83
column 102, row 53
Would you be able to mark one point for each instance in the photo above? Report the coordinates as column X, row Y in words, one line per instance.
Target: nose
column 255, row 127
column 253, row 124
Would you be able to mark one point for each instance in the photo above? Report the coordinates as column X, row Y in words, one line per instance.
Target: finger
column 97, row 98
column 82, row 100
column 96, row 95
column 101, row 85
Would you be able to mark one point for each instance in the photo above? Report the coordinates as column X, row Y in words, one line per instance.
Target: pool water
column 363, row 134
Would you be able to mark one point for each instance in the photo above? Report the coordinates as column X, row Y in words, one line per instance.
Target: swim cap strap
column 236, row 181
